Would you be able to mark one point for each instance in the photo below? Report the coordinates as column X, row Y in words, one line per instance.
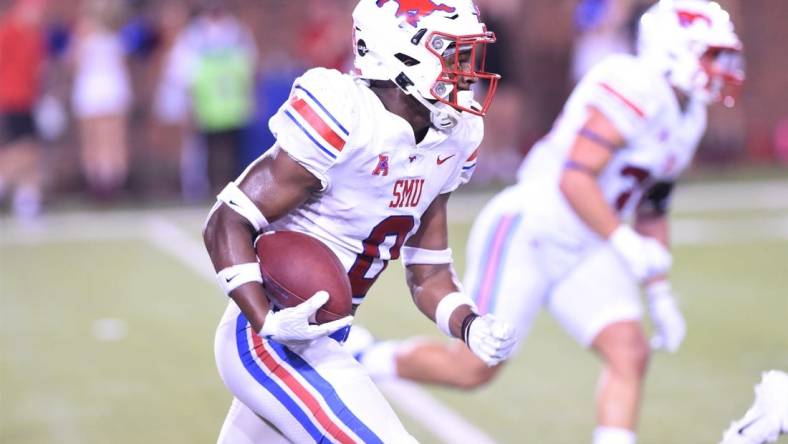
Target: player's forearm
column 253, row 302
column 230, row 241
column 584, row 196
column 429, row 284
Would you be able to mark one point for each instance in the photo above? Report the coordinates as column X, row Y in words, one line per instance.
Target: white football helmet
column 694, row 42
column 431, row 49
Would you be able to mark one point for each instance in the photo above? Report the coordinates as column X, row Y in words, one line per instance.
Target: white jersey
column 377, row 181
column 661, row 140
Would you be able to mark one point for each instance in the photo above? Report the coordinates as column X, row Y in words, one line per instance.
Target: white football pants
column 515, row 267
column 312, row 393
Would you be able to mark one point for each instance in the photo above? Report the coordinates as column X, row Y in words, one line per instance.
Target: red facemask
column 464, row 70
column 725, row 68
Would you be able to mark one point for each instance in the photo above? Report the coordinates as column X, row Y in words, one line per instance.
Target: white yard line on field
column 694, row 199
column 695, row 231
column 174, row 241
column 689, row 198
column 731, row 196
column 443, row 422
column 76, row 227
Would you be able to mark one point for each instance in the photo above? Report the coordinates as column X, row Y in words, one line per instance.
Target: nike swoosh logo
column 747, row 426
column 231, row 277
column 440, row 161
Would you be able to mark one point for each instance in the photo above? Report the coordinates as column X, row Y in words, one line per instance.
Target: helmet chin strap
column 443, row 117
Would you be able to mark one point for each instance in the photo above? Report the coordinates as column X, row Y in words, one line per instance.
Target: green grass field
column 146, row 373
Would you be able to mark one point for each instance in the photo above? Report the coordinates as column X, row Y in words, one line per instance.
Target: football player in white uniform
column 365, row 164
column 560, row 237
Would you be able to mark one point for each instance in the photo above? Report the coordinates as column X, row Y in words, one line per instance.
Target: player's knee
column 630, row 359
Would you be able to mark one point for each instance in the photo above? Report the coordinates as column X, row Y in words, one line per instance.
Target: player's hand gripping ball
column 295, row 266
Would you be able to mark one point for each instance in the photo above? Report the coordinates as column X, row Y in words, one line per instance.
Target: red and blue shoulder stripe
column 470, row 162
column 316, row 122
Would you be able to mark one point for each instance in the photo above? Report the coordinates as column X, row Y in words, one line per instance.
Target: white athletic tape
column 413, row 255
column 446, row 307
column 239, row 202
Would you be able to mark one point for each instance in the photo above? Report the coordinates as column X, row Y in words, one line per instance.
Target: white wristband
column 446, row 307
column 239, row 202
column 234, row 276
column 414, row 255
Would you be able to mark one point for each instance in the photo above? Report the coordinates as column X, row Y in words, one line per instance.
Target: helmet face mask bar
column 725, row 70
column 463, row 70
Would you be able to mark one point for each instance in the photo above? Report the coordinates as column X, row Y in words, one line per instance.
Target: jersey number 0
column 398, row 226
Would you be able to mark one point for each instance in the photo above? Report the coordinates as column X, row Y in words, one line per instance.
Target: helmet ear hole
column 361, row 48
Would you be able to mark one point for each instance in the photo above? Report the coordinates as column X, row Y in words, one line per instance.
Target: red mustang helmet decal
column 687, row 18
column 415, row 10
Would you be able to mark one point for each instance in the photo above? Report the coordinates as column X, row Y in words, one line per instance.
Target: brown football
column 295, row 266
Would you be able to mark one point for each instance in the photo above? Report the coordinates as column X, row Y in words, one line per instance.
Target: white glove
column 645, row 257
column 291, row 325
column 768, row 416
column 491, row 339
column 669, row 324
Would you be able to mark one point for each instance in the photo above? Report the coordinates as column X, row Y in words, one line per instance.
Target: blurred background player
column 22, row 52
column 767, row 419
column 365, row 164
column 560, row 238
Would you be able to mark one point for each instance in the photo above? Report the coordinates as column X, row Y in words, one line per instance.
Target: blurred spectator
column 317, row 36
column 139, row 36
column 603, row 29
column 272, row 90
column 22, row 51
column 500, row 152
column 323, row 41
column 167, row 153
column 169, row 103
column 101, row 96
column 781, row 141
column 211, row 69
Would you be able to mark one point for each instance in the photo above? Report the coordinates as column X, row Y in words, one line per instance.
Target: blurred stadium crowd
column 167, row 100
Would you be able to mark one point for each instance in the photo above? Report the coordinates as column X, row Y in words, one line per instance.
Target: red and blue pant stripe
column 275, row 367
column 493, row 259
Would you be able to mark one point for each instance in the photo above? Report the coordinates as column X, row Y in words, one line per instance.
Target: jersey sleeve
column 316, row 125
column 624, row 94
column 471, row 136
